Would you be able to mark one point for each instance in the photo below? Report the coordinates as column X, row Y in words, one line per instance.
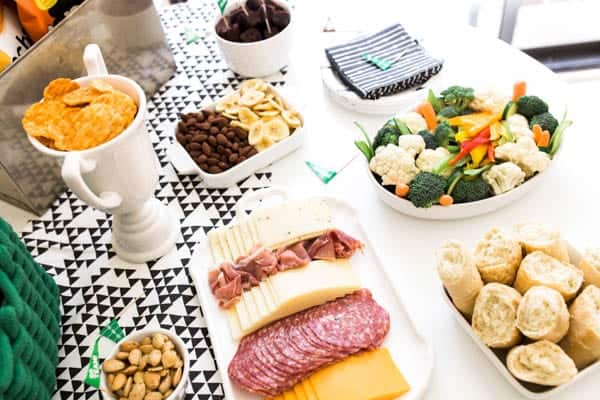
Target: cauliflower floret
column 395, row 165
column 414, row 121
column 489, row 101
column 414, row 144
column 525, row 154
column 429, row 159
column 504, row 177
column 518, row 126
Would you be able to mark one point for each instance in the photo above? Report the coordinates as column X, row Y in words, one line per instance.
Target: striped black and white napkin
column 412, row 65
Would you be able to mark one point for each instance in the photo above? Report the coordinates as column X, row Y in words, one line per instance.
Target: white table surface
column 568, row 198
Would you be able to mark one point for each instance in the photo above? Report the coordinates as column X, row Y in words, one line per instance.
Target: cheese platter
column 392, row 352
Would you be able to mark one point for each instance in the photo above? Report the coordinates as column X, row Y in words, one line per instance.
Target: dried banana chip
column 230, row 116
column 264, row 106
column 251, row 97
column 291, row 118
column 253, row 84
column 276, row 129
column 271, row 113
column 228, row 103
column 255, row 135
column 247, row 117
column 264, row 144
column 238, row 124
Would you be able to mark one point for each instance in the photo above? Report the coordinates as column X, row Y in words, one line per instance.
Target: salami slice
column 275, row 358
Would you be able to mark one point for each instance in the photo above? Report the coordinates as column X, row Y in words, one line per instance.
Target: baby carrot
column 402, row 190
column 519, row 89
column 446, row 200
column 544, row 139
column 537, row 132
column 427, row 111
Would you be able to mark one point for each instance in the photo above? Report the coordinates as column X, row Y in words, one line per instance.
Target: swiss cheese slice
column 370, row 375
column 291, row 291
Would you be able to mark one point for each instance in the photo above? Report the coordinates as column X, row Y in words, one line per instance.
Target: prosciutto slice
column 229, row 280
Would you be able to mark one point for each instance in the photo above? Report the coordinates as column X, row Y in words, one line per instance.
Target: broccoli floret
column 545, row 120
column 426, row 189
column 531, row 105
column 449, row 112
column 430, row 140
column 458, row 96
column 389, row 133
column 443, row 133
column 467, row 191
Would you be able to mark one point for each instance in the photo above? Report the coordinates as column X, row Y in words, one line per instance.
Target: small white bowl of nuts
column 149, row 364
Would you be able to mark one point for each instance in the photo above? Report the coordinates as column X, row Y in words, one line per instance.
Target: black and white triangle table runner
column 72, row 241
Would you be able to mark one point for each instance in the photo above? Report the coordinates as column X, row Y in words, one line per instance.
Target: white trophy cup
column 119, row 177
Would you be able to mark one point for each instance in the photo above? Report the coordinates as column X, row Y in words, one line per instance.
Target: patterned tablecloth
column 72, row 241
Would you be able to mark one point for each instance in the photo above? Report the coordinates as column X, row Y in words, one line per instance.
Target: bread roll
column 590, row 265
column 497, row 257
column 582, row 342
column 543, row 362
column 543, row 314
column 541, row 237
column 539, row 269
column 495, row 316
column 459, row 275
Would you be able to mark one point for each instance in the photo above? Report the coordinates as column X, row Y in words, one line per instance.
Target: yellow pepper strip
column 477, row 155
column 470, row 127
column 496, row 131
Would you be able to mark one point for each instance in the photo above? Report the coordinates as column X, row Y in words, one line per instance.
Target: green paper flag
column 222, row 6
column 113, row 331
column 380, row 63
column 92, row 377
column 323, row 174
column 191, row 36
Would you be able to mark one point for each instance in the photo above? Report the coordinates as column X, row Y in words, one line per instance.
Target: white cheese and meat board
column 299, row 306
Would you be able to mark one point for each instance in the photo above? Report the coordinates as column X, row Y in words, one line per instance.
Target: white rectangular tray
column 497, row 357
column 409, row 349
column 184, row 164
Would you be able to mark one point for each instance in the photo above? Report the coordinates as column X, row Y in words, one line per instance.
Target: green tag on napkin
column 92, row 377
column 380, row 63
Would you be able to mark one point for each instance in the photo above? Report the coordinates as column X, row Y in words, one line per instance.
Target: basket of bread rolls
column 530, row 301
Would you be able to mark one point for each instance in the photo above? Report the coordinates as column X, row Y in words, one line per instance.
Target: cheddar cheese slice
column 291, row 291
column 370, row 375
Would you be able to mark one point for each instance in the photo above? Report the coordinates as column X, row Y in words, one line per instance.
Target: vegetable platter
column 403, row 345
column 461, row 153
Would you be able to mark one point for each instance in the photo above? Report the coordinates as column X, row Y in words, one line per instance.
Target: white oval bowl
column 179, row 391
column 463, row 210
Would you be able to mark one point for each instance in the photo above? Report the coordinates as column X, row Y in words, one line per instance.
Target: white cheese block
column 215, row 247
column 292, row 221
column 289, row 292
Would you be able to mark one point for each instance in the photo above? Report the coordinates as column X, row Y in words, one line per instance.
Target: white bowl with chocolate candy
column 255, row 36
column 236, row 136
column 149, row 364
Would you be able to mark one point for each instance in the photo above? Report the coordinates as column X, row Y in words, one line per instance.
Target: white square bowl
column 498, row 357
column 184, row 164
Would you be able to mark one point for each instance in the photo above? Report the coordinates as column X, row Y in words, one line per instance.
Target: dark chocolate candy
column 251, row 35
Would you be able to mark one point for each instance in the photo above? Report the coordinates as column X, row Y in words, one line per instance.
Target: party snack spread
column 72, row 117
